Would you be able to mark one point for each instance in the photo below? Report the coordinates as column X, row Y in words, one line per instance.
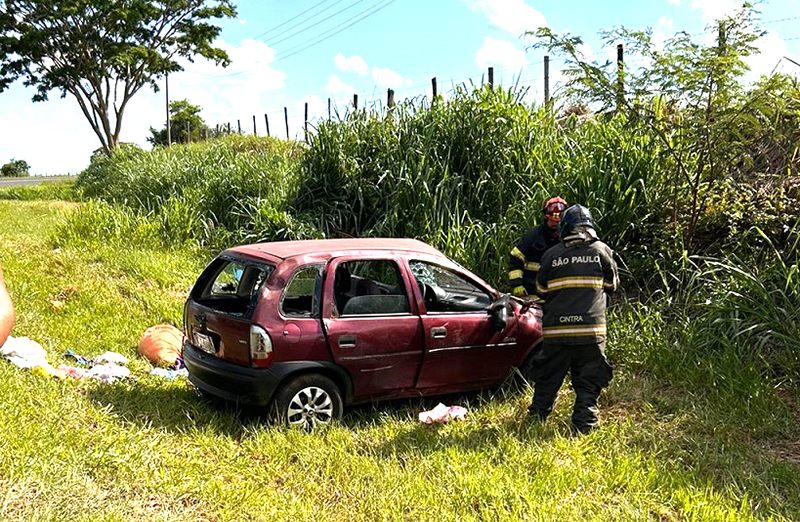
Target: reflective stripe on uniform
column 575, row 282
column 519, row 255
column 533, row 266
column 515, row 274
column 541, row 289
column 574, row 330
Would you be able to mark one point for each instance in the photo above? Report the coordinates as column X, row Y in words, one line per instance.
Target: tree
column 185, row 122
column 689, row 96
column 101, row 52
column 15, row 169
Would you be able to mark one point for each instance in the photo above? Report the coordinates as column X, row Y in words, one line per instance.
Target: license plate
column 205, row 343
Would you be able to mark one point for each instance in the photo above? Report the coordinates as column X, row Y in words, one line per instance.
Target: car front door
column 463, row 350
column 372, row 326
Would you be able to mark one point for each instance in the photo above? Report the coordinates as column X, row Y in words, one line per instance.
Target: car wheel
column 308, row 402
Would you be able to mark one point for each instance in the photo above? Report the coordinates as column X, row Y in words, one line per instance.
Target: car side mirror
column 499, row 312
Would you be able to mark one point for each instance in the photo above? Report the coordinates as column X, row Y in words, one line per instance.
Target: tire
column 308, row 402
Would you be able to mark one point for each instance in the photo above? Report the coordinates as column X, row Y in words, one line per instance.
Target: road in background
column 31, row 180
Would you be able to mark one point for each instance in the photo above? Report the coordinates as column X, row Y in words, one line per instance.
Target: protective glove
column 519, row 291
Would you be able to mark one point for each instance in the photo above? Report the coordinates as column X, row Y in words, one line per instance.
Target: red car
column 312, row 326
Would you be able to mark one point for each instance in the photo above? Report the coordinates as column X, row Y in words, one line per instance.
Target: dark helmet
column 574, row 216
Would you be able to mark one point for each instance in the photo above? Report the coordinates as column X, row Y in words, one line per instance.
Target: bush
column 15, row 169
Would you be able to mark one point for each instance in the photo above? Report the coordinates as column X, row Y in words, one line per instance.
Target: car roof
column 287, row 249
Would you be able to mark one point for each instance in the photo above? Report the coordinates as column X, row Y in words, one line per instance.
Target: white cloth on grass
column 24, row 353
column 111, row 357
column 108, row 372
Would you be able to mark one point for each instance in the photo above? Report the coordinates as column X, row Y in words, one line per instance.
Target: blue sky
column 400, row 44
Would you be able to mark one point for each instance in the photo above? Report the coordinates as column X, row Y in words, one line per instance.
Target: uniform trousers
column 589, row 370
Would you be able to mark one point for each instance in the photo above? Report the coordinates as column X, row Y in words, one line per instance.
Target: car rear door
column 372, row 326
column 462, row 348
column 218, row 312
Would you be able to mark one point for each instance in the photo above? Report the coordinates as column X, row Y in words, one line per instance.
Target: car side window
column 369, row 287
column 301, row 296
column 445, row 290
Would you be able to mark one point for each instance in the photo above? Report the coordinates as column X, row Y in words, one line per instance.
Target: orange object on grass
column 161, row 344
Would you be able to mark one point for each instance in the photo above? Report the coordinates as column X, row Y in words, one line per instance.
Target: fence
column 227, row 128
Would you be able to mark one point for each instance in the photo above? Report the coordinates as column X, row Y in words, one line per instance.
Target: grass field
column 151, row 449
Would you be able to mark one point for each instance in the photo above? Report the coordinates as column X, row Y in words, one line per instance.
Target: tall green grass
column 468, row 175
column 200, row 192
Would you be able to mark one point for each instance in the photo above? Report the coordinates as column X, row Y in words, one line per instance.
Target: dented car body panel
column 381, row 318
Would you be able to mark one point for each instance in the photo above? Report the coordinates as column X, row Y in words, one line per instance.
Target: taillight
column 260, row 347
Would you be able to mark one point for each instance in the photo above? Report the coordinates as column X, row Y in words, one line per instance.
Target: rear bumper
column 230, row 381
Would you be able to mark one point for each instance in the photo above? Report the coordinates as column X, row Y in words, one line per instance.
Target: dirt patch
column 786, row 451
column 18, row 503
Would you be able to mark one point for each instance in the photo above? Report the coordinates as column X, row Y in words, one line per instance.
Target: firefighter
column 575, row 277
column 523, row 262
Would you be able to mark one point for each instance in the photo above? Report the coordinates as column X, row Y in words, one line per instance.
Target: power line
column 274, row 42
column 289, row 20
column 374, row 10
column 780, row 20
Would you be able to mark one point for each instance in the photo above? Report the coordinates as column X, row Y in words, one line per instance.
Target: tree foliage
column 691, row 97
column 186, row 125
column 102, row 52
column 15, row 169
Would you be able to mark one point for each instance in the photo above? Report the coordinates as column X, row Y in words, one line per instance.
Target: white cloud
column 773, row 49
column 225, row 95
column 586, row 50
column 675, row 2
column 337, row 86
column 663, row 31
column 354, row 63
column 27, row 129
column 514, row 16
column 386, row 77
column 500, row 53
column 716, row 9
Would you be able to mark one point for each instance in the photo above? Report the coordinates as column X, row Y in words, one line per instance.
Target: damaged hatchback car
column 310, row 327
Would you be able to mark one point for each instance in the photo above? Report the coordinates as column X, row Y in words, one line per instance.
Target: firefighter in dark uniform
column 574, row 278
column 523, row 262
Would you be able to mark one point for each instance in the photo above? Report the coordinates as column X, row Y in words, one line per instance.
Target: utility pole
column 620, row 78
column 166, row 92
column 547, row 80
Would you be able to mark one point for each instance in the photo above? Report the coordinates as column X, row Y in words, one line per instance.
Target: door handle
column 347, row 341
column 440, row 332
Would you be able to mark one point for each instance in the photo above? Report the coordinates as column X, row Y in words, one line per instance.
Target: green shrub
column 15, row 169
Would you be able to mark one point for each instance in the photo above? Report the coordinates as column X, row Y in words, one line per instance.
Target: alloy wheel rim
column 310, row 407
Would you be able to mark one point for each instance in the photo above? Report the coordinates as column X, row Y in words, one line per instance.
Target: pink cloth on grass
column 442, row 413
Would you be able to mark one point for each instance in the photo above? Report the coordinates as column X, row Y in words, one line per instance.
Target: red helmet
column 553, row 208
